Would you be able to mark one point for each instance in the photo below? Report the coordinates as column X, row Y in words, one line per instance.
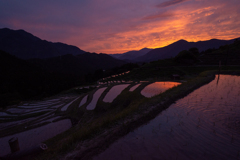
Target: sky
column 117, row 26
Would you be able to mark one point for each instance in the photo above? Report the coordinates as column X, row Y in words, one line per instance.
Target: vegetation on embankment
column 85, row 140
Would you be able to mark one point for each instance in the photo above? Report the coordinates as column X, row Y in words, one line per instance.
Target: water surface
column 35, row 136
column 83, row 101
column 134, row 87
column 203, row 125
column 157, row 88
column 114, row 92
column 97, row 94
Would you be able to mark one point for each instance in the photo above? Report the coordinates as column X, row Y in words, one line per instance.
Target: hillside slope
column 173, row 49
column 25, row 45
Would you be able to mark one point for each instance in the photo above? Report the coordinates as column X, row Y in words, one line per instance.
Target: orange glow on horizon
column 122, row 26
column 166, row 43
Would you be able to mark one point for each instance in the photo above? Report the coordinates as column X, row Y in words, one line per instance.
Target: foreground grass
column 82, row 140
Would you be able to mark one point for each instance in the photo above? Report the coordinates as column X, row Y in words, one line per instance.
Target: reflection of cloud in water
column 157, row 88
column 114, row 92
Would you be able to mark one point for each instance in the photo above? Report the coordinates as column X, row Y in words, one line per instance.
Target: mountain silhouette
column 78, row 64
column 53, row 57
column 131, row 55
column 21, row 80
column 26, row 46
column 173, row 49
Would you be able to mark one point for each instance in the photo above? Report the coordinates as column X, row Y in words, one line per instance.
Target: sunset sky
column 117, row 26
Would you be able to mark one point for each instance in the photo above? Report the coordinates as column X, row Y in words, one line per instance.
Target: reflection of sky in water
column 157, row 88
column 203, row 125
column 134, row 87
column 35, row 136
column 97, row 94
column 114, row 92
column 83, row 101
column 64, row 108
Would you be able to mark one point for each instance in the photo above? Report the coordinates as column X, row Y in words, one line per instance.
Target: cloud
column 160, row 15
column 170, row 3
column 120, row 26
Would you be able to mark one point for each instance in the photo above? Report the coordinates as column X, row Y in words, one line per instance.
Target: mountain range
column 26, row 46
column 77, row 64
column 131, row 55
column 173, row 49
column 170, row 51
column 31, row 67
column 53, row 57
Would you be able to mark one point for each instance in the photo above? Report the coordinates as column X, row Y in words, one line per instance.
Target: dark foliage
column 187, row 57
column 21, row 80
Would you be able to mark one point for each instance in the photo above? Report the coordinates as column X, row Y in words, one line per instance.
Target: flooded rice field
column 64, row 108
column 35, row 136
column 203, row 125
column 114, row 92
column 31, row 115
column 40, row 120
column 157, row 88
column 83, row 101
column 134, row 87
column 97, row 94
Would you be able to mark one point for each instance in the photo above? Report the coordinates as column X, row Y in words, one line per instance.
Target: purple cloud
column 120, row 26
column 170, row 3
column 160, row 15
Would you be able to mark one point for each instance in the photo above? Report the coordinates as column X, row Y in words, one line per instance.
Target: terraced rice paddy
column 203, row 125
column 83, row 101
column 114, row 92
column 157, row 88
column 35, row 136
column 134, row 87
column 41, row 120
column 32, row 115
column 64, row 108
column 97, row 94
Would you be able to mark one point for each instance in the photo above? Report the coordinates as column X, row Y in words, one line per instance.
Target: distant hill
column 77, row 64
column 36, row 78
column 173, row 49
column 21, row 80
column 131, row 55
column 25, row 45
column 228, row 55
column 53, row 57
